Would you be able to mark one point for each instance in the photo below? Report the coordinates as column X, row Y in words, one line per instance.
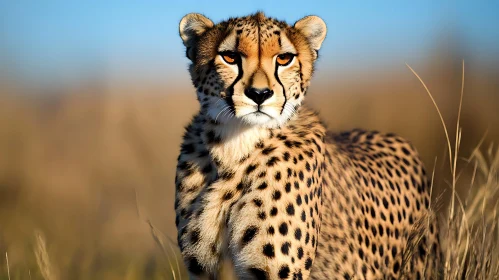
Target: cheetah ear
column 314, row 29
column 192, row 26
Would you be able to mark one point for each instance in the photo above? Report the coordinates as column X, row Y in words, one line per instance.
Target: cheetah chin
column 262, row 185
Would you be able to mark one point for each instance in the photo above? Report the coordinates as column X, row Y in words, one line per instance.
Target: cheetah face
column 253, row 69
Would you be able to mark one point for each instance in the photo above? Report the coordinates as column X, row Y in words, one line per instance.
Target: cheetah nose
column 258, row 95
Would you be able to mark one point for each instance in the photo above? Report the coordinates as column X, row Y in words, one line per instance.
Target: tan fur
column 271, row 190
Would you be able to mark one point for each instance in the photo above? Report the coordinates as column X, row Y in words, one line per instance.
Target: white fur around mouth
column 256, row 117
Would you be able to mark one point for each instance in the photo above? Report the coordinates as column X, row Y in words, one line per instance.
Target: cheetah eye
column 230, row 57
column 284, row 59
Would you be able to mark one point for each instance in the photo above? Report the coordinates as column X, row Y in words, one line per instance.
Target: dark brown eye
column 284, row 59
column 230, row 57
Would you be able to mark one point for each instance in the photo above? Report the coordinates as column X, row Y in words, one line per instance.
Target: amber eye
column 284, row 59
column 230, row 57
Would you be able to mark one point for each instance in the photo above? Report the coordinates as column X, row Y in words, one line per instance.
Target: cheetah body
column 275, row 194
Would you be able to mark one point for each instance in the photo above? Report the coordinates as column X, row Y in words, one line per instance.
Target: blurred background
column 94, row 97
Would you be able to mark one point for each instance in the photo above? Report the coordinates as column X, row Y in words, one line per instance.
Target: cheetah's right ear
column 192, row 26
column 314, row 29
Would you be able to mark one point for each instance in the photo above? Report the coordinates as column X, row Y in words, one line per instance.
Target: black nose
column 258, row 95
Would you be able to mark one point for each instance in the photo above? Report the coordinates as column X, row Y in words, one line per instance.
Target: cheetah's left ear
column 314, row 29
column 192, row 26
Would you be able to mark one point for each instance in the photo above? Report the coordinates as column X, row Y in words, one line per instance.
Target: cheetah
column 262, row 184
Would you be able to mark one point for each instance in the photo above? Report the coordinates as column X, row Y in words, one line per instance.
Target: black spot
column 259, row 273
column 258, row 202
column 268, row 250
column 300, row 253
column 277, row 176
column 273, row 211
column 211, row 138
column 283, row 229
column 262, row 186
column 373, row 212
column 259, row 145
column 407, row 201
column 286, row 156
column 195, row 236
column 396, row 267
column 228, row 195
column 361, row 253
column 422, row 250
column 394, row 251
column 298, row 234
column 207, row 169
column 276, row 195
column 285, row 248
column 194, row 266
column 226, row 175
column 308, row 263
column 307, row 166
column 271, row 230
column 251, row 168
column 290, row 209
column 297, row 275
column 281, row 137
column 268, row 150
column 262, row 216
column 272, row 161
column 298, row 200
column 385, row 203
column 284, row 272
column 249, row 234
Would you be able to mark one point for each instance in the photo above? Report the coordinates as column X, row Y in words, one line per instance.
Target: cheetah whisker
column 225, row 108
column 219, row 99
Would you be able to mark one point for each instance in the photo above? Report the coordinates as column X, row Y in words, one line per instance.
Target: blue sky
column 47, row 40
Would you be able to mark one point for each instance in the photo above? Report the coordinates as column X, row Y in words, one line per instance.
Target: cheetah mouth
column 257, row 113
column 256, row 117
column 261, row 113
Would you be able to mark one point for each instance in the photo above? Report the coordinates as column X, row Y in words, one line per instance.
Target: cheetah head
column 252, row 69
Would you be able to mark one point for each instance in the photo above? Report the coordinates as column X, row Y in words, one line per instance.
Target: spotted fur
column 266, row 187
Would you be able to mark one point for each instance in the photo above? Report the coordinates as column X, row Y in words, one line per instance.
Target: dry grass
column 42, row 258
column 470, row 238
column 469, row 231
column 7, row 262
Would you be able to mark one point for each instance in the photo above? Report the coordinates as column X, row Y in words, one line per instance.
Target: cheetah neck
column 233, row 141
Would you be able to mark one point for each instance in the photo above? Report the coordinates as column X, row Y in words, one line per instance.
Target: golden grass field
column 87, row 177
